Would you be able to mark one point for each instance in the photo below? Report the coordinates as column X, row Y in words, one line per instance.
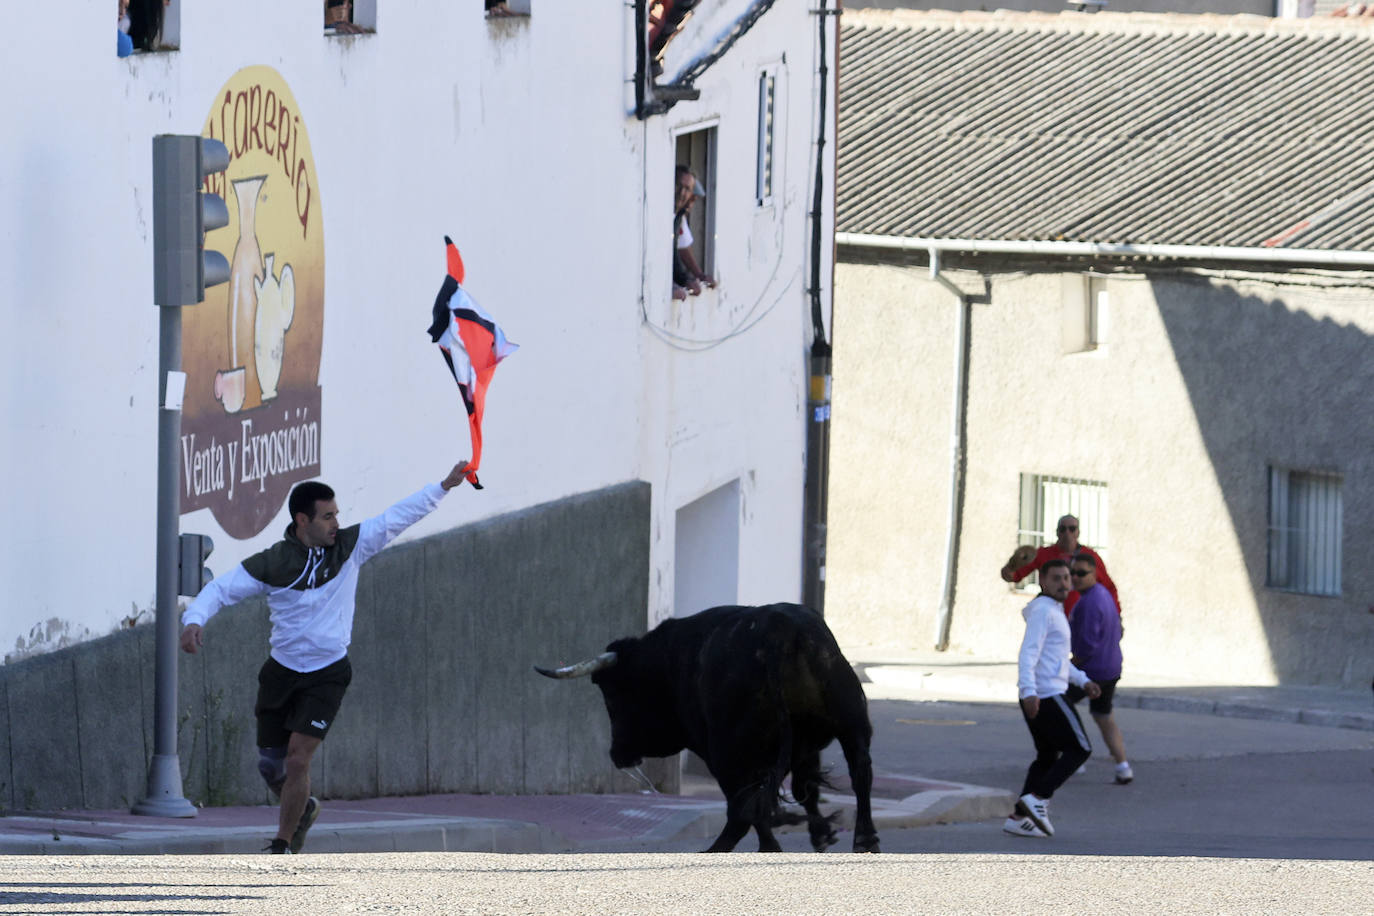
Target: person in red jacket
column 1065, row 548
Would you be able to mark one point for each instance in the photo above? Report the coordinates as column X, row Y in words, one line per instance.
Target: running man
column 310, row 578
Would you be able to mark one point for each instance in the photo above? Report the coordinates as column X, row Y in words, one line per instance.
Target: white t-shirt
column 684, row 235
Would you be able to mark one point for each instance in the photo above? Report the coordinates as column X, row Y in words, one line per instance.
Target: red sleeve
column 1042, row 556
column 1105, row 579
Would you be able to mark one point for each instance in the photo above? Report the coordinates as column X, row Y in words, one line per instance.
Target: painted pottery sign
column 251, row 351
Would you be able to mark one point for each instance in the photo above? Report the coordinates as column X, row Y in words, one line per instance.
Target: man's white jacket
column 1043, row 668
column 310, row 590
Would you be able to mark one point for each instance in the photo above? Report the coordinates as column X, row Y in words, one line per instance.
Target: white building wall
column 515, row 138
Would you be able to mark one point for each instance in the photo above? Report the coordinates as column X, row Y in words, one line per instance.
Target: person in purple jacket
column 1095, row 637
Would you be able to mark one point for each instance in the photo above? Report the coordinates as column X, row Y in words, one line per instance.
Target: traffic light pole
column 164, row 797
column 182, row 268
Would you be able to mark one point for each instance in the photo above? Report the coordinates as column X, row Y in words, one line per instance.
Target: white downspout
column 956, row 453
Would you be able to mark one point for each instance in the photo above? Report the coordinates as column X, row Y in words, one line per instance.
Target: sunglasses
column 1068, row 528
column 1080, row 573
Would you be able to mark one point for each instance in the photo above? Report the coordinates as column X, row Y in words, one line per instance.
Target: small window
column 500, row 9
column 694, row 210
column 350, row 17
column 763, row 182
column 1304, row 532
column 149, row 25
column 1085, row 313
column 1045, row 500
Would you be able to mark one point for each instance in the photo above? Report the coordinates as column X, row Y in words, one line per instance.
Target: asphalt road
column 443, row 884
column 1225, row 816
column 1204, row 785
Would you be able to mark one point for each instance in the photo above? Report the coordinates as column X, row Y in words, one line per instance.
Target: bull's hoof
column 866, row 843
column 821, row 844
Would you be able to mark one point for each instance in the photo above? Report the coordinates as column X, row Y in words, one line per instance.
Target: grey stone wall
column 443, row 696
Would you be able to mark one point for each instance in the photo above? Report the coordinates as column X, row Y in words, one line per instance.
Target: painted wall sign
column 251, row 351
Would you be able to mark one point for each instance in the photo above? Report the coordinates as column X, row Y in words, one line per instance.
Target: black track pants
column 1061, row 746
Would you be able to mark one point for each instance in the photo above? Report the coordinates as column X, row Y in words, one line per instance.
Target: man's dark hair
column 304, row 497
column 1086, row 559
column 1050, row 564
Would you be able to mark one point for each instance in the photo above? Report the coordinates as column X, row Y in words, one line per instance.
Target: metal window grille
column 1046, row 499
column 1305, row 527
column 763, row 182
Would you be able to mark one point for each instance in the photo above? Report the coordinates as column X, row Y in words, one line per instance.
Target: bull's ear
column 581, row 669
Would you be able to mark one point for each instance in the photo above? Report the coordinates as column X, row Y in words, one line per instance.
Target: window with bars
column 1304, row 532
column 763, row 180
column 1046, row 499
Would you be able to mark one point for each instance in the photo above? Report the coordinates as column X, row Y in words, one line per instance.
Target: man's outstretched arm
column 231, row 588
column 380, row 530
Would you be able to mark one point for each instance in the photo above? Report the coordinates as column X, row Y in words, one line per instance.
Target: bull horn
column 581, row 669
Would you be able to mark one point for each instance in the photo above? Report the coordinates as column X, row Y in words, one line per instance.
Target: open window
column 696, row 155
column 501, row 9
column 148, row 26
column 666, row 20
column 350, row 17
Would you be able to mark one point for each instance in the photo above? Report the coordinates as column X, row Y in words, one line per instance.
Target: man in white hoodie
column 310, row 578
column 1043, row 675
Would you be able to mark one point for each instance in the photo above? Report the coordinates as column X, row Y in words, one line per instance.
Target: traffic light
column 193, row 575
column 182, row 214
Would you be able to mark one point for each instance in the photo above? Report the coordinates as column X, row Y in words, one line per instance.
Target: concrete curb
column 668, row 819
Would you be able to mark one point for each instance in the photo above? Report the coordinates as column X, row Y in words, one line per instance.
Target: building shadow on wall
column 1274, row 385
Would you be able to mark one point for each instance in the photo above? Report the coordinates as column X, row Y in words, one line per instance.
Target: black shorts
column 293, row 701
column 1102, row 706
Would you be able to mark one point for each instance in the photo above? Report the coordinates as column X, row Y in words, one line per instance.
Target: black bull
column 756, row 692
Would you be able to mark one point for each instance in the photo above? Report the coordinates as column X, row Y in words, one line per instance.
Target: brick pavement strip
column 472, row 823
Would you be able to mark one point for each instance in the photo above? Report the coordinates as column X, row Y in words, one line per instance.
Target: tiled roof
column 1110, row 128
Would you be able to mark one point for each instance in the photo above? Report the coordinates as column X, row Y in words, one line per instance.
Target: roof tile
column 1114, row 128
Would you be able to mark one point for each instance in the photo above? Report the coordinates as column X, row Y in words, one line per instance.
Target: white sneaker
column 1124, row 774
column 1038, row 810
column 1022, row 826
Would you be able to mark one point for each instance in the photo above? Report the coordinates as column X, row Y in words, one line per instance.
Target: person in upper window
column 687, row 276
column 124, row 45
column 145, row 23
column 338, row 17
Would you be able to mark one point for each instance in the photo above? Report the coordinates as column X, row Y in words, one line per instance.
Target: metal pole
column 817, row 474
column 164, row 798
column 816, row 495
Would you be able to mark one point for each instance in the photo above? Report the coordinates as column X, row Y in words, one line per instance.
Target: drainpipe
column 957, row 457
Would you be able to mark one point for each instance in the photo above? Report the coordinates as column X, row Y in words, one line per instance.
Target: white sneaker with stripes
column 1038, row 809
column 1022, row 826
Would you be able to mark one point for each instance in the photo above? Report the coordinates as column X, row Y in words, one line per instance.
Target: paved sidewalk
column 596, row 823
column 945, row 675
